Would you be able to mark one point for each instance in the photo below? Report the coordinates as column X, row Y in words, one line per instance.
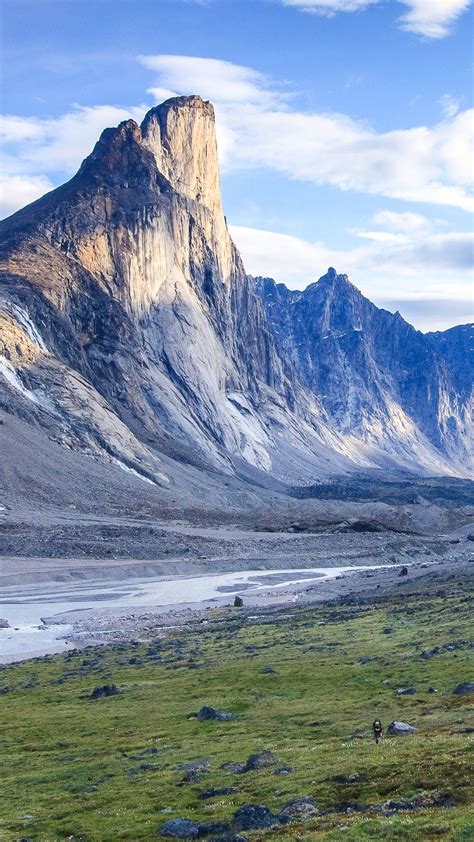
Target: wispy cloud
column 329, row 8
column 428, row 18
column 36, row 151
column 432, row 18
column 450, row 105
column 423, row 269
column 258, row 128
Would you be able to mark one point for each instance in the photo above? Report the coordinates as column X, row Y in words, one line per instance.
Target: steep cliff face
column 130, row 331
column 376, row 376
column 129, row 273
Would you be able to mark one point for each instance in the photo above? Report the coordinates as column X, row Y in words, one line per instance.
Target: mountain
column 376, row 376
column 130, row 333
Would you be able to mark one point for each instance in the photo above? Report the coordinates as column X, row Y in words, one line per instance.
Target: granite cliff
column 130, row 332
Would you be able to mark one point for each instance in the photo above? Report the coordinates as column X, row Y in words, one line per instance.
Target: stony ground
column 301, row 683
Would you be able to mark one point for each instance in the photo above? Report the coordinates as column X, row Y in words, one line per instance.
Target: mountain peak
column 181, row 134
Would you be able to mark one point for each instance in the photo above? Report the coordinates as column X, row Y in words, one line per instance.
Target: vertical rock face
column 376, row 376
column 130, row 329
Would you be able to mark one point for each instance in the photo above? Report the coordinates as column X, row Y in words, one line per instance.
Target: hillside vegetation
column 304, row 684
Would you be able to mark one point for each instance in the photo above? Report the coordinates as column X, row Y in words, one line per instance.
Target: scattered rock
column 180, row 829
column 349, row 779
column 283, row 770
column 299, row 808
column 192, row 777
column 207, row 713
column 463, row 688
column 234, row 766
column 262, row 760
column 254, row 817
column 216, row 793
column 104, row 691
column 428, row 653
column 201, row 765
column 232, row 838
column 397, row 728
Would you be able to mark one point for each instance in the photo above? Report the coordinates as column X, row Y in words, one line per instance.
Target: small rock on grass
column 104, row 691
column 464, row 688
column 406, row 691
column 206, row 714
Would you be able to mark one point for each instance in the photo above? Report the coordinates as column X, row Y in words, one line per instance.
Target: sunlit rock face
column 131, row 330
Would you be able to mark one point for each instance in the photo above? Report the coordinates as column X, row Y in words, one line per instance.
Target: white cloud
column 429, row 268
column 35, row 149
column 423, row 164
column 257, row 128
column 16, row 191
column 450, row 105
column 59, row 144
column 429, row 18
column 220, row 81
column 432, row 18
column 329, row 7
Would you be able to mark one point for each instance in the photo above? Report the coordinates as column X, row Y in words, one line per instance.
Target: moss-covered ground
column 72, row 768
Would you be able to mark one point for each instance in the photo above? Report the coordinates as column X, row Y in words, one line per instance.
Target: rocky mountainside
column 129, row 332
column 376, row 376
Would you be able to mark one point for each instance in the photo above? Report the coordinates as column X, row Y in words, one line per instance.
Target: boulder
column 213, row 792
column 104, row 691
column 262, row 760
column 238, row 602
column 403, row 571
column 299, row 808
column 4, row 624
column 207, row 714
column 464, row 688
column 397, row 728
column 406, row 691
column 234, row 766
column 180, row 829
column 254, row 817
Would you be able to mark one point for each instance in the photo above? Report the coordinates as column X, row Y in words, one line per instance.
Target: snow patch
column 23, row 318
column 9, row 373
column 125, row 467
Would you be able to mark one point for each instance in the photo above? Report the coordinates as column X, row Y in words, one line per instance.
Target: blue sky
column 343, row 125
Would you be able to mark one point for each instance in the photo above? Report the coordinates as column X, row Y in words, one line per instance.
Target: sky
column 345, row 127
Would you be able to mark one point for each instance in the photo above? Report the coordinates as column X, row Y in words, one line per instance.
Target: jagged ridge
column 130, row 329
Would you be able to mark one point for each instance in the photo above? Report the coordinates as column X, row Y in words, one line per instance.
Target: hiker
column 377, row 728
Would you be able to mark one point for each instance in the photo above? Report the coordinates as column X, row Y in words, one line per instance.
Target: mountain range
column 131, row 334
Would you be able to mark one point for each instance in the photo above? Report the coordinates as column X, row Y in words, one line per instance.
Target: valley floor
column 304, row 683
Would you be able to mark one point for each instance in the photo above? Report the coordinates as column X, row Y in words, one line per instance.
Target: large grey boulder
column 180, row 829
column 397, row 728
column 254, row 817
column 262, row 760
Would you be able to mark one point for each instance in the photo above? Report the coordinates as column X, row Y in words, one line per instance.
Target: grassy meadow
column 115, row 768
